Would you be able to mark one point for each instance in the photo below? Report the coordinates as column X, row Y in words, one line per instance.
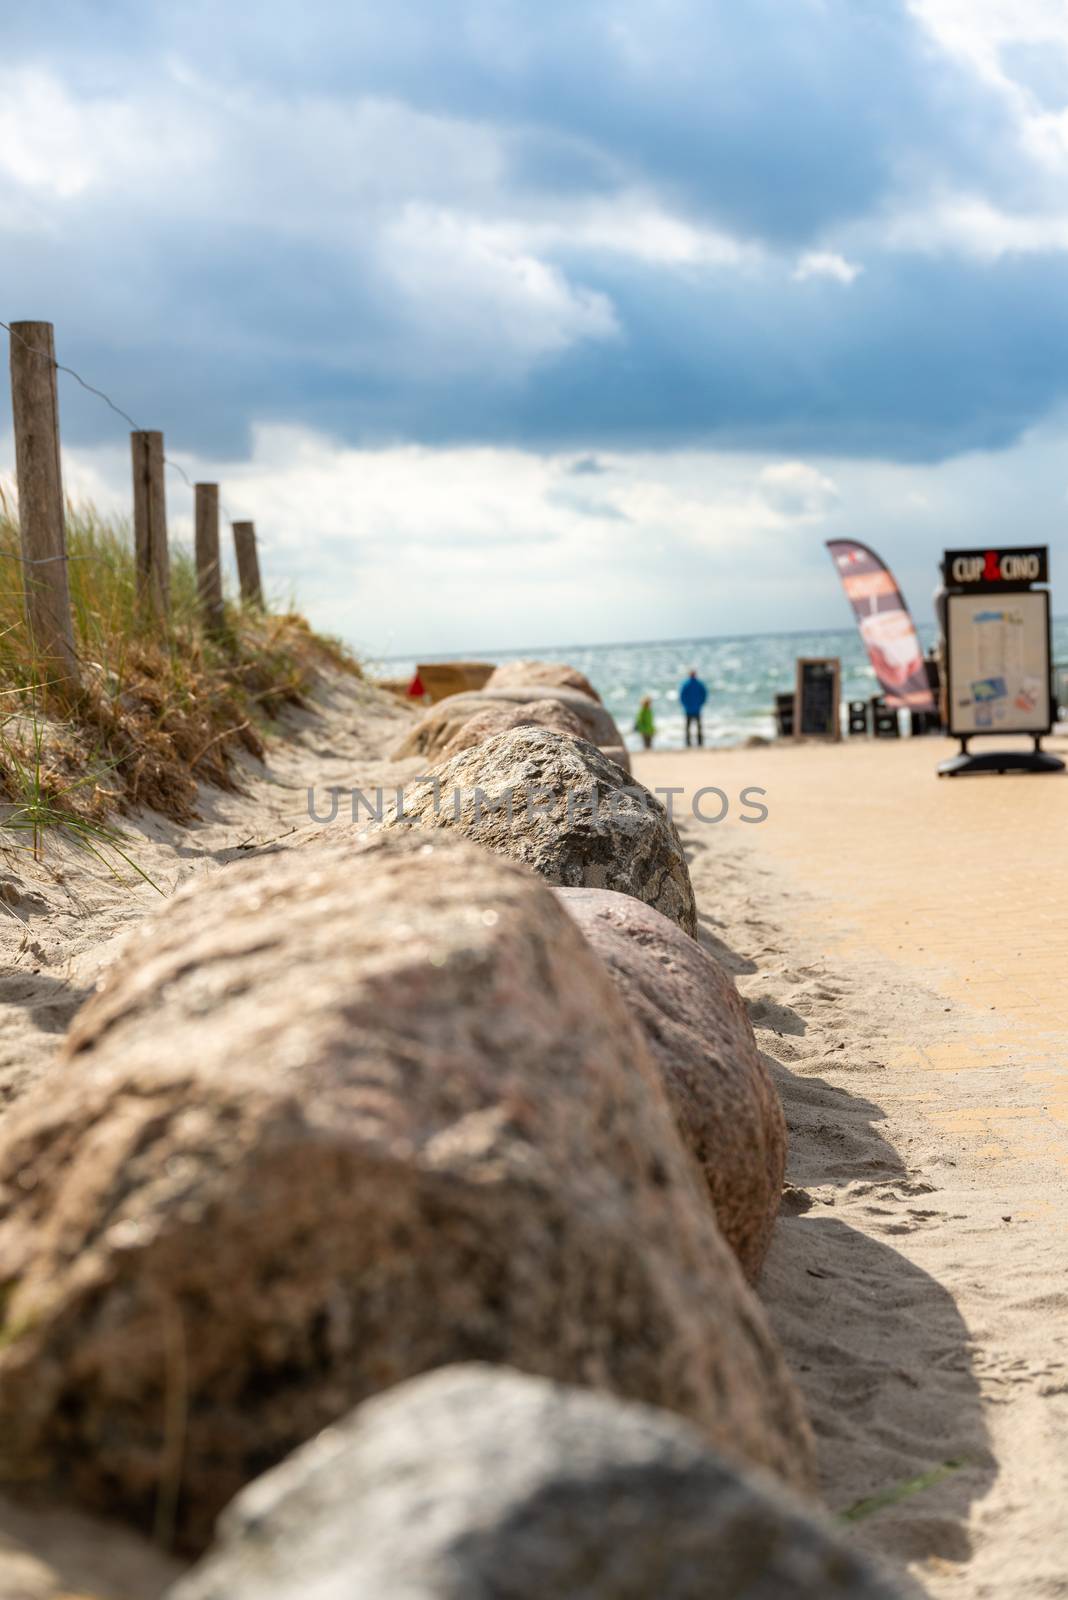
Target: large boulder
column 479, row 1483
column 501, row 718
column 699, row 1034
column 339, row 1116
column 439, row 725
column 563, row 808
column 553, row 674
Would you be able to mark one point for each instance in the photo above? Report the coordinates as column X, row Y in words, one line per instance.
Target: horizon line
column 631, row 644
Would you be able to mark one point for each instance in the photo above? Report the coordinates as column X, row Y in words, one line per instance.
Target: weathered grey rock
column 479, row 1483
column 601, row 726
column 619, row 754
column 436, row 727
column 556, row 674
column 339, row 1116
column 500, row 718
column 565, row 809
column 699, row 1034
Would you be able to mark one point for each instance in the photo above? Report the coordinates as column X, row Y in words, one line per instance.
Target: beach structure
column 857, row 717
column 999, row 671
column 436, row 680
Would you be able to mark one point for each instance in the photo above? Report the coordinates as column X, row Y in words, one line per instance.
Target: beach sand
column 902, row 943
column 903, row 948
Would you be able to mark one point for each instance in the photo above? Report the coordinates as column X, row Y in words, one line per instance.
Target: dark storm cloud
column 268, row 282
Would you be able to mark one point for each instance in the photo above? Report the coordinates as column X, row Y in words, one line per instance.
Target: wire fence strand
column 88, row 387
column 119, row 412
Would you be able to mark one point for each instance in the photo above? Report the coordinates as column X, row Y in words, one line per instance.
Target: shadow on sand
column 709, row 933
column 878, row 1347
column 51, row 1001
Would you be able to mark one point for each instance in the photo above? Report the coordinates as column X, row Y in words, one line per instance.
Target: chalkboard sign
column 816, row 714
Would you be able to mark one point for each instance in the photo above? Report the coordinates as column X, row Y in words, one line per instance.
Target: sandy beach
column 901, row 944
column 458, row 1141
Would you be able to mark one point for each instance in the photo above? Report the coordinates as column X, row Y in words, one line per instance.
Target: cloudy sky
column 578, row 321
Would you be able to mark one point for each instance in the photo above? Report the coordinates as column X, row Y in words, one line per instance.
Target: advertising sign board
column 999, row 667
column 999, row 677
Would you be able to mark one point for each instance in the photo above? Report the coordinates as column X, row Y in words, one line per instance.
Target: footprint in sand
column 902, row 1189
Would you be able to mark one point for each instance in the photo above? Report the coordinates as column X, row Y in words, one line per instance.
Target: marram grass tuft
column 161, row 708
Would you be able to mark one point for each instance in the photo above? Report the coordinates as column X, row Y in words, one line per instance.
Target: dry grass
column 161, row 709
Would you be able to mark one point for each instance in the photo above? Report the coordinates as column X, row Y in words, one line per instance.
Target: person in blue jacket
column 693, row 695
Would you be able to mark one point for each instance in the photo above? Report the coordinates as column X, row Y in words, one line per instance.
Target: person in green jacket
column 643, row 722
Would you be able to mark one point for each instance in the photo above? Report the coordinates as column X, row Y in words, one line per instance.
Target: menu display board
column 998, row 654
column 816, row 706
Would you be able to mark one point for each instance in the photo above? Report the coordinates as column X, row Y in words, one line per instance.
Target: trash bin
column 884, row 723
column 858, row 716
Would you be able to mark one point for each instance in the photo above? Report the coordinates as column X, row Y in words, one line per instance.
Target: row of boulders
column 562, row 807
column 368, row 1108
column 502, row 719
column 699, row 1036
column 477, row 1483
column 344, row 1117
column 549, row 674
column 522, row 693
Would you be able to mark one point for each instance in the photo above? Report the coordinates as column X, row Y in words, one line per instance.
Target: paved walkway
column 962, row 883
column 903, row 943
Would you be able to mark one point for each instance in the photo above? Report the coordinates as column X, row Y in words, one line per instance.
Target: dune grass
column 162, row 708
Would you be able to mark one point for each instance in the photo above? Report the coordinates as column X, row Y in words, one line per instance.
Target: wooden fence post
column 209, row 569
column 248, row 563
column 150, row 523
column 35, row 413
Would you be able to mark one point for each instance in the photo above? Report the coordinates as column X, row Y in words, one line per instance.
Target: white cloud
column 973, row 226
column 348, row 167
column 241, row 148
column 797, row 490
column 480, row 303
column 826, row 264
column 409, row 549
column 982, row 34
column 976, row 30
column 59, row 147
column 632, row 223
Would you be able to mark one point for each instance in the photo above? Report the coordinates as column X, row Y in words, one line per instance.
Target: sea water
column 743, row 673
